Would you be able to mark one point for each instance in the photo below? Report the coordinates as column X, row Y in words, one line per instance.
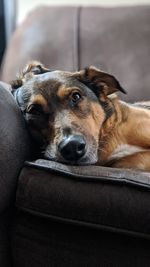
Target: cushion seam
column 86, row 177
column 83, row 223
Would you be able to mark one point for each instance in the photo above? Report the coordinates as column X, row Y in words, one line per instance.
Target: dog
column 76, row 117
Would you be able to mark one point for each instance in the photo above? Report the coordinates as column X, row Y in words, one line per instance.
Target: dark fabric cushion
column 14, row 148
column 96, row 195
column 42, row 242
column 114, row 39
column 82, row 215
column 14, row 145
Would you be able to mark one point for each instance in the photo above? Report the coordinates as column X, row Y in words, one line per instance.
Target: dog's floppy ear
column 33, row 68
column 100, row 82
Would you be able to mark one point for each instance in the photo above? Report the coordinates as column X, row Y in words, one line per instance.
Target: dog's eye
column 35, row 109
column 75, row 97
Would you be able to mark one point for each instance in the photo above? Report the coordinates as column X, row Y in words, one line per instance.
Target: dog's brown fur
column 107, row 124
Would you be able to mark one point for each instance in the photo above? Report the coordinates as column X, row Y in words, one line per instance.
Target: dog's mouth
column 84, row 161
column 72, row 150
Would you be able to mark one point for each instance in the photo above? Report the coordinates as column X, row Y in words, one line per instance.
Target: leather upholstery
column 114, row 39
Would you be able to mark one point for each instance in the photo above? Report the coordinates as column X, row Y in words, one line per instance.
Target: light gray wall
column 24, row 6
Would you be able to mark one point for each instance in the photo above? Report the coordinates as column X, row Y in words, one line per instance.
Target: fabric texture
column 67, row 216
column 74, row 216
column 14, row 148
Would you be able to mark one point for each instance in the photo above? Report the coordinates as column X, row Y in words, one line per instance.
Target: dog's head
column 65, row 111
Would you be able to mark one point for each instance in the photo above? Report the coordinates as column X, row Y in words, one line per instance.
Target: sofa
column 54, row 214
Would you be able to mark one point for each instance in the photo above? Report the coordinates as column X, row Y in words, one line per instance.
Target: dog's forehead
column 54, row 83
column 57, row 84
column 59, row 77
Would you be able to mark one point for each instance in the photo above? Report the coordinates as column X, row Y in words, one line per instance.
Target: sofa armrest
column 14, row 145
column 112, row 199
column 81, row 216
column 14, row 148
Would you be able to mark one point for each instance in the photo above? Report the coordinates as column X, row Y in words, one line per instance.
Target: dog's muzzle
column 72, row 147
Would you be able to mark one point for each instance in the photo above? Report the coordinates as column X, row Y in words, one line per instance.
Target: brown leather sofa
column 66, row 215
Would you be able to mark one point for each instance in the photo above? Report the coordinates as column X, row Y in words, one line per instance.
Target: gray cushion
column 14, row 148
column 81, row 216
column 14, row 145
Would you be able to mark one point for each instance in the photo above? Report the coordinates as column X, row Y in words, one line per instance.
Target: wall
column 24, row 6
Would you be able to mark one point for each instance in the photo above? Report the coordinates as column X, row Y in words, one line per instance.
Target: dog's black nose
column 72, row 147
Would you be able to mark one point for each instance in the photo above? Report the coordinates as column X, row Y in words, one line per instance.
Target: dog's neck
column 128, row 125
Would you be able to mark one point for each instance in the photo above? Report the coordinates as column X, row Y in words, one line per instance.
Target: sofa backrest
column 70, row 38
